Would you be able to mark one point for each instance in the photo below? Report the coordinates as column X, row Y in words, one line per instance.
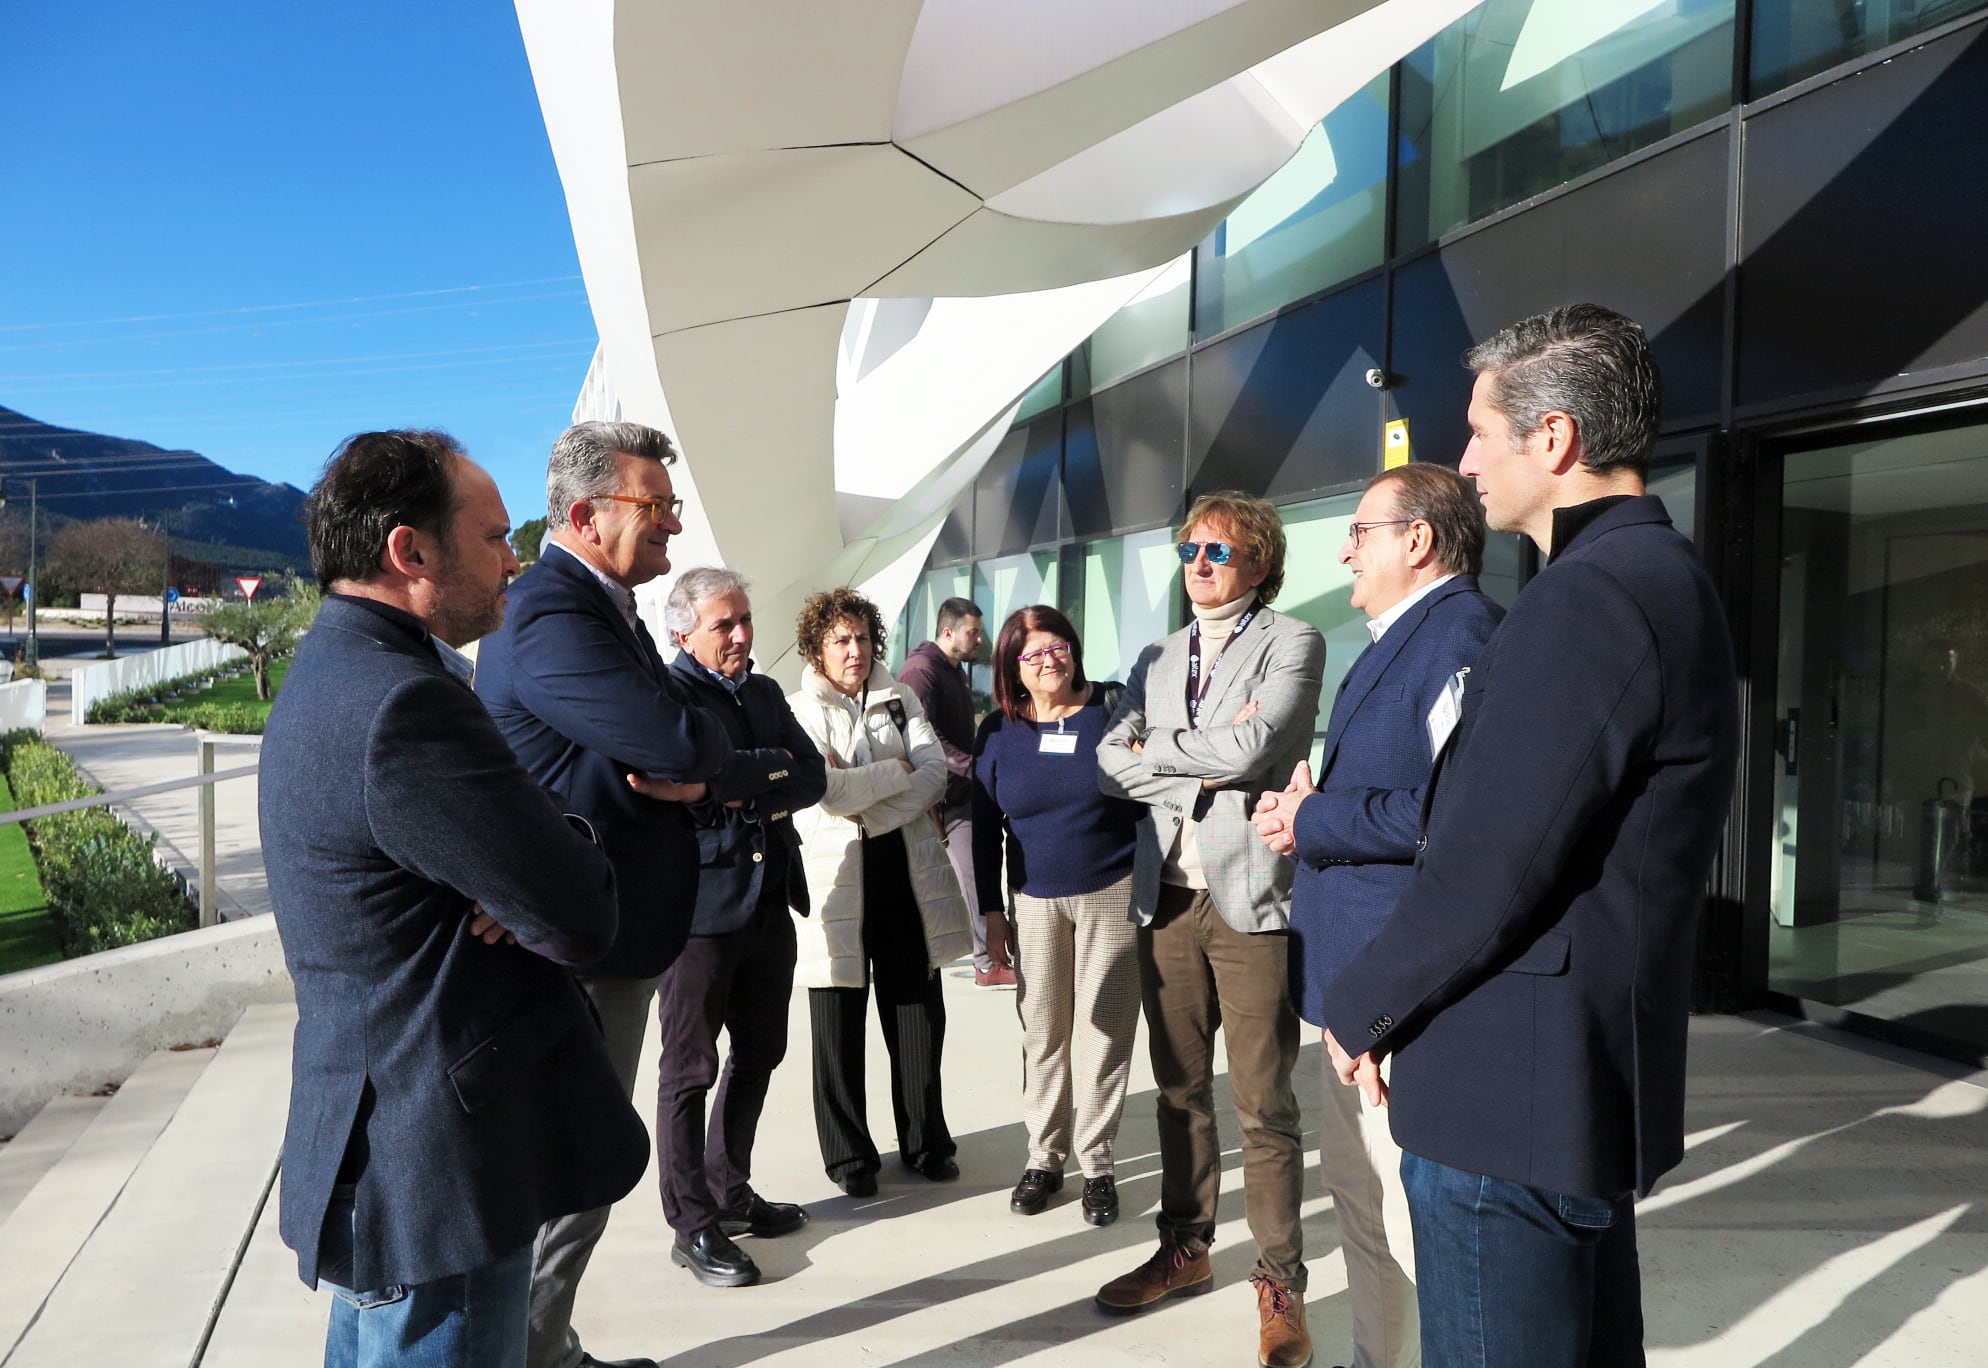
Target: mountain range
column 211, row 512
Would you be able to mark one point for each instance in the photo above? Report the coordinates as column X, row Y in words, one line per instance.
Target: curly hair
column 1010, row 694
column 823, row 610
column 1256, row 528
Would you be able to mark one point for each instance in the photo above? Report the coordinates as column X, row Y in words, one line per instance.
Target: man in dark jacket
column 576, row 685
column 937, row 672
column 736, row 974
column 1534, row 979
column 438, row 1060
column 1415, row 547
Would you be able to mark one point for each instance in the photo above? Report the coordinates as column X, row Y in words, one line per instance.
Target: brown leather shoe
column 1282, row 1340
column 1172, row 1271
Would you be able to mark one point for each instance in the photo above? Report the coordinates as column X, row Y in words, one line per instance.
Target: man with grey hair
column 1532, row 981
column 576, row 685
column 736, row 974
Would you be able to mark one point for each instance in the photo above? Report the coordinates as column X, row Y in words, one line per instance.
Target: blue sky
column 250, row 229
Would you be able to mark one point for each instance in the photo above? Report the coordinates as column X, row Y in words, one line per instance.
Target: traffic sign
column 12, row 583
column 172, row 595
column 248, row 584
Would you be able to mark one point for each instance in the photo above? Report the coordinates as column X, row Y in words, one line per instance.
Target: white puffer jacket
column 868, row 790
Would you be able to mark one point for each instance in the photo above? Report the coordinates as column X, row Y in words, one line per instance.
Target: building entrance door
column 1880, row 883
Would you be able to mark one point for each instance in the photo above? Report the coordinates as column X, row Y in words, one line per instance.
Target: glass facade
column 1320, row 220
column 1880, row 895
column 1794, row 39
column 1328, row 317
column 1520, row 96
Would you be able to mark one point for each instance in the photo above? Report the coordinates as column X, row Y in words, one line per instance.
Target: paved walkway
column 124, row 757
column 1829, row 1213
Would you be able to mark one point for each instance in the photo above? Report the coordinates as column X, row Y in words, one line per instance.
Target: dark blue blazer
column 1356, row 835
column 584, row 699
column 440, row 1073
column 1534, row 980
column 785, row 773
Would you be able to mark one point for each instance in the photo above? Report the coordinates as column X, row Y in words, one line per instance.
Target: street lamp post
column 166, row 586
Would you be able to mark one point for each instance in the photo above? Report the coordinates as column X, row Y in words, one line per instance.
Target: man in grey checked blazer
column 1213, row 716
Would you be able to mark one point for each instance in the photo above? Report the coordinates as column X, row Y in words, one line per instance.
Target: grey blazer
column 1279, row 663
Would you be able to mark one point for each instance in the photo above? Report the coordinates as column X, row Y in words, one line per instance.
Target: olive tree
column 265, row 627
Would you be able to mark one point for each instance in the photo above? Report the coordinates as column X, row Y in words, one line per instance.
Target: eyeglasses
column 1037, row 658
column 655, row 506
column 1359, row 531
column 1218, row 552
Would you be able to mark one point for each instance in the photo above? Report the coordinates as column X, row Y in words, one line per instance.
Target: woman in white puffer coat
column 888, row 908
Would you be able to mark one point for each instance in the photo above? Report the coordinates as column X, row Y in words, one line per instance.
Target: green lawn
column 240, row 689
column 27, row 932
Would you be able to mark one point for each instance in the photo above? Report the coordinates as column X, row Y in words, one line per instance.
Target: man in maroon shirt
column 936, row 671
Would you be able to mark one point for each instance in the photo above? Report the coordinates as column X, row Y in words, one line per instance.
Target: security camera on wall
column 1377, row 378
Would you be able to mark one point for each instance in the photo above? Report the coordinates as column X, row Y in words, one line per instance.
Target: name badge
column 1059, row 743
column 1447, row 713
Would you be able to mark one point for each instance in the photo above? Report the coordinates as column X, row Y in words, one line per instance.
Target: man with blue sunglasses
column 1213, row 716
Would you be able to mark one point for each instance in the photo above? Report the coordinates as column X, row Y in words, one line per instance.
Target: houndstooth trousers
column 1077, row 993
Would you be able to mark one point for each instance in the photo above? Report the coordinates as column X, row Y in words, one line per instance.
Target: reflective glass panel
column 1318, row 588
column 920, row 617
column 1880, row 889
column 1131, row 592
column 1793, row 39
column 1677, row 486
column 1149, row 329
column 1321, row 219
column 1522, row 95
column 1000, row 586
column 1043, row 396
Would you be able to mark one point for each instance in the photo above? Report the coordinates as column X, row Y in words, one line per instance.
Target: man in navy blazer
column 575, row 684
column 736, row 974
column 1415, row 548
column 1534, row 979
column 438, row 1061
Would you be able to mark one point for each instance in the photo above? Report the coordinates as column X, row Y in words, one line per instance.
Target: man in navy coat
column 575, row 684
column 1415, row 548
column 1534, row 980
column 736, row 974
column 438, row 1061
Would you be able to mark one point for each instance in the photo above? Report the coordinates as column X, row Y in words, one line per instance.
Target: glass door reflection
column 1880, row 890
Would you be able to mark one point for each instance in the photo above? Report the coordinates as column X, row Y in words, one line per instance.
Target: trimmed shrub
column 104, row 888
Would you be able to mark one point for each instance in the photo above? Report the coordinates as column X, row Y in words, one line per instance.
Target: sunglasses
column 1035, row 659
column 1218, row 552
column 655, row 506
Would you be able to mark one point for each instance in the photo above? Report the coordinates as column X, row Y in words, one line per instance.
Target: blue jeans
column 1513, row 1275
column 468, row 1320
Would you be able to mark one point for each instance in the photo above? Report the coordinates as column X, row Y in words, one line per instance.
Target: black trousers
column 739, row 982
column 911, row 1013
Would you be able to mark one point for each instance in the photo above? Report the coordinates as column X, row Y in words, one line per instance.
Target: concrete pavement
column 1829, row 1213
column 124, row 757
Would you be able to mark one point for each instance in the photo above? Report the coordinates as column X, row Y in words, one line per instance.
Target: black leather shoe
column 714, row 1259
column 1100, row 1200
column 589, row 1361
column 1031, row 1195
column 940, row 1168
column 762, row 1219
column 858, row 1183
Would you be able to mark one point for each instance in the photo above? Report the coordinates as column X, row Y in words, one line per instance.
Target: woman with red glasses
column 1069, row 866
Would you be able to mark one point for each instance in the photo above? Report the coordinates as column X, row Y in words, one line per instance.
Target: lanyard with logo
column 1196, row 688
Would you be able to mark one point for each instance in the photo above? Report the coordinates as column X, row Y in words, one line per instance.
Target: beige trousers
column 1361, row 1165
column 1077, row 993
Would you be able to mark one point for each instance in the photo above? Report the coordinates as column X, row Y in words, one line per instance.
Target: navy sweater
column 1063, row 837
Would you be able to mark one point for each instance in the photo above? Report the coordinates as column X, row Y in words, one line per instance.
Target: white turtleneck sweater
column 1183, row 862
